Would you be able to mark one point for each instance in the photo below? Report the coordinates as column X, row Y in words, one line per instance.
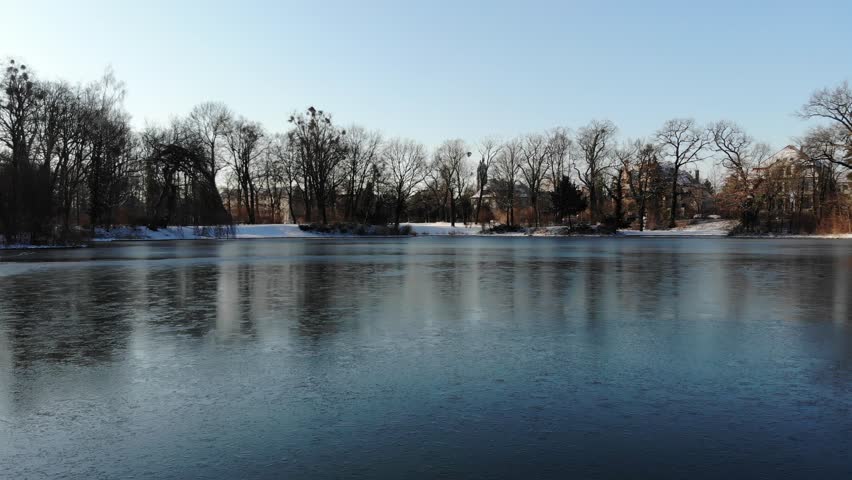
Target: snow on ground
column 259, row 231
column 21, row 246
column 277, row 230
column 718, row 228
column 805, row 236
column 556, row 231
column 196, row 233
column 713, row 228
column 145, row 233
column 444, row 228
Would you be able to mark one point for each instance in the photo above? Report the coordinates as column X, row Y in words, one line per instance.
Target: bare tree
column 593, row 145
column 321, row 147
column 559, row 152
column 831, row 103
column 739, row 153
column 271, row 178
column 245, row 145
column 211, row 121
column 507, row 168
column 832, row 143
column 71, row 154
column 20, row 97
column 405, row 163
column 55, row 110
column 179, row 186
column 449, row 164
column 287, row 158
column 742, row 158
column 362, row 152
column 534, row 155
column 112, row 163
column 625, row 157
column 829, row 144
column 489, row 149
column 639, row 160
column 682, row 141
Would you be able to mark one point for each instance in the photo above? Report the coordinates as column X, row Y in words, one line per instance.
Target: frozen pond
column 428, row 357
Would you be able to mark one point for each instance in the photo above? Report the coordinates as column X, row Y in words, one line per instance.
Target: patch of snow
column 144, row 233
column 596, row 231
column 196, row 233
column 715, row 228
column 260, row 231
column 279, row 230
column 710, row 228
column 444, row 228
column 24, row 246
column 801, row 236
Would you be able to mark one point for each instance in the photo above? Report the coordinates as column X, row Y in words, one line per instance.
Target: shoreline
column 717, row 230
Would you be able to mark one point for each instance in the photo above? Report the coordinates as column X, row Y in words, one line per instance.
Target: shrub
column 499, row 229
column 357, row 229
column 804, row 223
column 583, row 229
column 611, row 223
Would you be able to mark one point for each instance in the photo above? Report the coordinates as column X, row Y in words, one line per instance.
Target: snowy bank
column 714, row 228
column 258, row 231
column 24, row 246
column 201, row 233
column 782, row 236
column 444, row 228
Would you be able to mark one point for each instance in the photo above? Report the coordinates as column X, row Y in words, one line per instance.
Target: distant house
column 495, row 203
column 788, row 172
column 793, row 176
column 696, row 196
column 785, row 162
column 844, row 183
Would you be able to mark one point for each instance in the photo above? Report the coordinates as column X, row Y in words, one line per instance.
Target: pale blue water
column 428, row 357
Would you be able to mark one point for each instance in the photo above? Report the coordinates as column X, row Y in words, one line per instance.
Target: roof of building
column 785, row 156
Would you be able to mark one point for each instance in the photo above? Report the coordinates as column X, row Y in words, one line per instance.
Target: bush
column 738, row 230
column 804, row 223
column 577, row 229
column 356, row 229
column 585, row 229
column 500, row 229
column 611, row 223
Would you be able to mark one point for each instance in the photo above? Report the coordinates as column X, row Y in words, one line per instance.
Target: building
column 788, row 175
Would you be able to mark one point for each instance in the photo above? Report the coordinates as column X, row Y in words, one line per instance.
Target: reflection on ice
column 299, row 358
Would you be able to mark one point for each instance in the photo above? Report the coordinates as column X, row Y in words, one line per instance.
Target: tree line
column 71, row 163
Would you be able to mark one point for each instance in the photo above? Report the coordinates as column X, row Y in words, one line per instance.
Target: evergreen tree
column 568, row 200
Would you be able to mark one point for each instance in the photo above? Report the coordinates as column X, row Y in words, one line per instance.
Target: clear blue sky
column 438, row 70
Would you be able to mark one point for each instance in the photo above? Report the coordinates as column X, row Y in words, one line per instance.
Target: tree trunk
column 673, row 216
column 399, row 206
column 307, row 199
column 593, row 203
column 534, row 199
column 479, row 206
column 320, row 195
column 511, row 210
column 619, row 207
column 452, row 209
